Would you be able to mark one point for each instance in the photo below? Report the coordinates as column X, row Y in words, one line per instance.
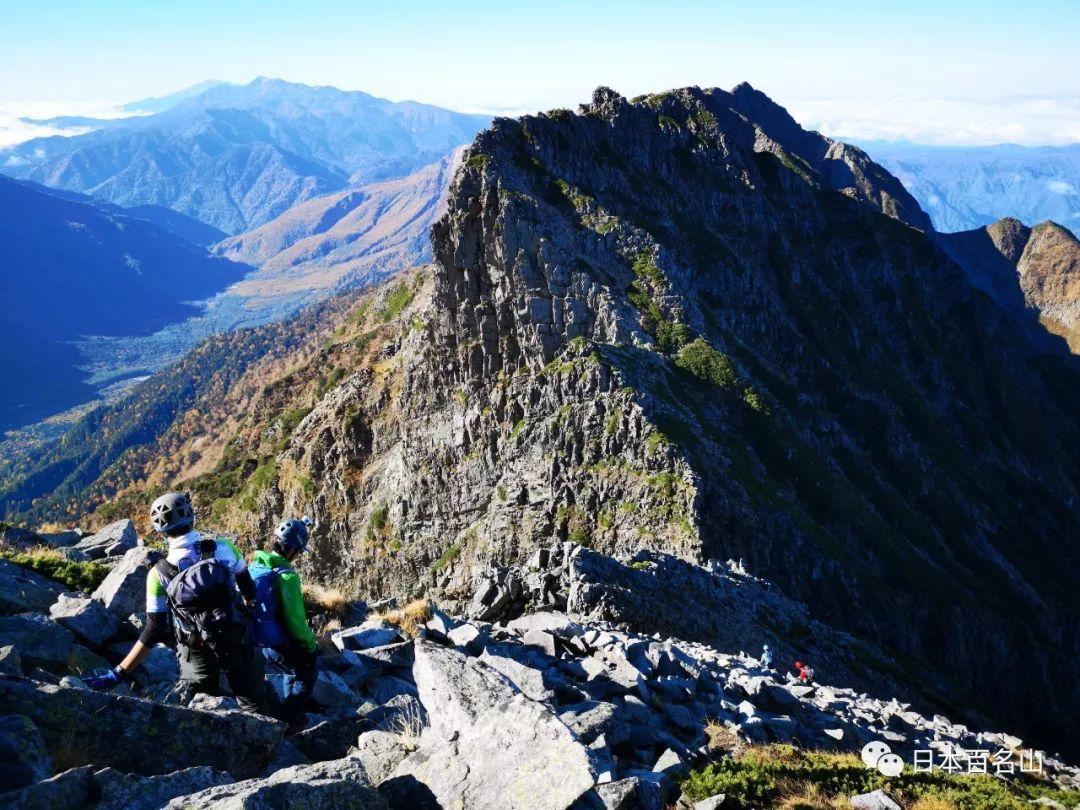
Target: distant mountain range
column 349, row 238
column 970, row 187
column 74, row 267
column 237, row 156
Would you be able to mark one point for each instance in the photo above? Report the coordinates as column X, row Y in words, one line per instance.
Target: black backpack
column 203, row 601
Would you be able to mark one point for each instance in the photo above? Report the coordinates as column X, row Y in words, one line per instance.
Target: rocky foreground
column 554, row 689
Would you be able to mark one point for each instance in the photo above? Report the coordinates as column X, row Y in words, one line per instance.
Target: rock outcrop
column 1031, row 273
column 141, row 736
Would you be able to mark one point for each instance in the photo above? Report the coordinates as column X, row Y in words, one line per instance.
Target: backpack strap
column 166, row 570
column 206, row 548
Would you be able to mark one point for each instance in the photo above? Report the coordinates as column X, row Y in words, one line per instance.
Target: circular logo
column 890, row 765
column 873, row 751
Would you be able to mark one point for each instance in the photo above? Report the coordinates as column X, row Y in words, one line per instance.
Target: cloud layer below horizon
column 1027, row 120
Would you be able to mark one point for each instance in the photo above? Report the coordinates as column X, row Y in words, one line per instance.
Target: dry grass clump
column 326, row 600
column 720, row 737
column 810, row 798
column 408, row 725
column 409, row 618
column 934, row 803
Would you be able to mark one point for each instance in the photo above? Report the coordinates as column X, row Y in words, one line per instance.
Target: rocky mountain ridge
column 676, row 323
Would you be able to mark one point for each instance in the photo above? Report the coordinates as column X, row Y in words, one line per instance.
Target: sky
column 929, row 72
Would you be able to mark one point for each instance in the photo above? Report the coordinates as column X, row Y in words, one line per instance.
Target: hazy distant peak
column 156, row 104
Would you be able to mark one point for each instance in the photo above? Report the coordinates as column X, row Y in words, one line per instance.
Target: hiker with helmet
column 280, row 625
column 199, row 585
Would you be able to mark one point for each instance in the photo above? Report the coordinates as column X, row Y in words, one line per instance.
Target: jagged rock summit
column 1032, row 273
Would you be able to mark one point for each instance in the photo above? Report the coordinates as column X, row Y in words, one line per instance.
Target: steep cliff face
column 1032, row 273
column 682, row 323
column 654, row 324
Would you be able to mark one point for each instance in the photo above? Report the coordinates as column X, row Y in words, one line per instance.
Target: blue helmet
column 293, row 533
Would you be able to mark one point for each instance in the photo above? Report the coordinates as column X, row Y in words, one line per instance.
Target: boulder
column 82, row 661
column 40, row 641
column 717, row 802
column 113, row 790
column 488, row 745
column 123, row 591
column 528, row 680
column 24, row 758
column 365, row 636
column 383, row 690
column 286, row 755
column 69, row 790
column 331, row 691
column 10, row 662
column 85, row 617
column 330, row 739
column 590, row 719
column 875, row 800
column 632, row 793
column 140, row 736
column 112, row 541
column 319, row 786
column 23, row 591
column 159, row 666
column 468, row 637
column 454, row 689
column 380, row 752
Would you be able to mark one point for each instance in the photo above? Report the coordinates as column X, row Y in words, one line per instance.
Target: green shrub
column 74, row 576
column 656, row 440
column 380, row 516
column 448, row 556
column 479, row 161
column 396, row 300
column 520, row 426
column 706, row 363
column 290, row 419
column 755, row 400
column 579, row 535
column 765, row 776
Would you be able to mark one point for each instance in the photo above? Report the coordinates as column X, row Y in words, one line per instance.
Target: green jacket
column 290, row 598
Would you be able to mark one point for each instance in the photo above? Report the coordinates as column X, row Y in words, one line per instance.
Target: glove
column 104, row 679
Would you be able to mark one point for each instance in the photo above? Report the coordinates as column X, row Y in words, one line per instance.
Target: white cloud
column 1032, row 121
column 1061, row 187
column 15, row 130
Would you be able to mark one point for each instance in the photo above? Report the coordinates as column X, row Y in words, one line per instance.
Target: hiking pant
column 300, row 672
column 201, row 670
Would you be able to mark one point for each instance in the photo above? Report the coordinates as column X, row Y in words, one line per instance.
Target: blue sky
column 845, row 64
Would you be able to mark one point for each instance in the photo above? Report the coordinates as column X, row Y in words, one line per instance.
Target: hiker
column 280, row 627
column 806, row 674
column 766, row 657
column 198, row 584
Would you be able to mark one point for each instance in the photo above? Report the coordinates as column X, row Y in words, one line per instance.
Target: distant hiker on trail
column 766, row 657
column 198, row 584
column 806, row 674
column 280, row 625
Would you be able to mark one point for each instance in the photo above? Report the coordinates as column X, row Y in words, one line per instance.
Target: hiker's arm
column 292, row 610
column 156, row 629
